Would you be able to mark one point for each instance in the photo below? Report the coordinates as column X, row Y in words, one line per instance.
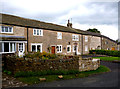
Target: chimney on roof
column 69, row 24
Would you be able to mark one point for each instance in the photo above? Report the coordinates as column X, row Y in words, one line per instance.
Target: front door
column 53, row 50
column 113, row 48
column 21, row 49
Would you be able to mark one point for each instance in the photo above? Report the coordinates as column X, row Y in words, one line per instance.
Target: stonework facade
column 22, row 38
column 118, row 47
column 95, row 42
column 107, row 44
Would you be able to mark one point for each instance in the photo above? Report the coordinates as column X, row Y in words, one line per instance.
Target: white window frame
column 73, row 48
column 70, row 48
column 40, row 32
column 13, row 47
column 86, row 48
column 75, row 37
column 8, row 29
column 86, row 38
column 23, row 47
column 36, row 46
column 59, row 35
column 59, row 49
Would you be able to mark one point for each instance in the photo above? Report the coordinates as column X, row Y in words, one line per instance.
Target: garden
column 113, row 53
column 45, row 67
column 110, row 55
column 48, row 76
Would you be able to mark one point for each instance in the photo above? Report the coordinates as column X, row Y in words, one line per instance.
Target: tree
column 93, row 30
column 118, row 41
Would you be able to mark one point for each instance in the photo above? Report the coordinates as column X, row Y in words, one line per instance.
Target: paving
column 110, row 79
column 9, row 82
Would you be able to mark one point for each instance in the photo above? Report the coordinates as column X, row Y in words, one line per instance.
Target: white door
column 21, row 49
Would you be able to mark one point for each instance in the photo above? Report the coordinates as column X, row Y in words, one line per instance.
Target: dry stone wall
column 80, row 64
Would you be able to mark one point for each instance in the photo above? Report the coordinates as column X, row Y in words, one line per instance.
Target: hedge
column 105, row 52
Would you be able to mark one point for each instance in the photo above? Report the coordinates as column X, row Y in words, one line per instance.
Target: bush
column 45, row 72
column 105, row 52
column 7, row 72
column 42, row 55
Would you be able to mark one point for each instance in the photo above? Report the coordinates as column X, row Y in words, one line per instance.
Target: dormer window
column 37, row 32
column 6, row 29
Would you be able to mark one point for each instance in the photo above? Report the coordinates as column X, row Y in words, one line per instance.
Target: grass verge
column 49, row 78
column 108, row 58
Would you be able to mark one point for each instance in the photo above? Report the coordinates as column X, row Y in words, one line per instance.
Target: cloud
column 94, row 13
column 107, row 30
column 102, row 15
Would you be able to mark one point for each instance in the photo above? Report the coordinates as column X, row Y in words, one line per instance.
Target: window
column 12, row 47
column 74, row 48
column 68, row 48
column 59, row 35
column 6, row 29
column 21, row 47
column 106, row 42
column 86, row 38
column 75, row 37
column 8, row 47
column 33, row 48
column 37, row 32
column 86, row 48
column 36, row 47
column 59, row 48
column 34, row 32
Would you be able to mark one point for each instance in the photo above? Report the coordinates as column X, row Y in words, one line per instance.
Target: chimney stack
column 69, row 24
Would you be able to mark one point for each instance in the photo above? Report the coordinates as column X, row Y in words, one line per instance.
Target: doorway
column 21, row 49
column 53, row 49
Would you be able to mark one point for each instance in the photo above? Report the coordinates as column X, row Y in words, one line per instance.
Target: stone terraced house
column 20, row 35
column 118, row 46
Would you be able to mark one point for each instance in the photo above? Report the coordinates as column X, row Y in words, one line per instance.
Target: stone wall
column 16, row 65
column 86, row 43
column 95, row 42
column 108, row 44
column 49, row 39
column 118, row 47
column 87, row 64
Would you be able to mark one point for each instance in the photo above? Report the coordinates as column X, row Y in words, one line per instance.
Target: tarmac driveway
column 109, row 79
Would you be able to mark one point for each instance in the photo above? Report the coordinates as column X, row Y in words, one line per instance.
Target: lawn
column 49, row 78
column 108, row 58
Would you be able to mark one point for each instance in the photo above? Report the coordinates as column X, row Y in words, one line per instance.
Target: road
column 109, row 79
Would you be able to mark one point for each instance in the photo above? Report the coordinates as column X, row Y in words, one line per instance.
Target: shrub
column 106, row 52
column 42, row 55
column 7, row 72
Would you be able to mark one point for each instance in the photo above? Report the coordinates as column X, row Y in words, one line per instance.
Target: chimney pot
column 69, row 24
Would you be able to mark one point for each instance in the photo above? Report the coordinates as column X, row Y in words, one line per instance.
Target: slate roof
column 19, row 21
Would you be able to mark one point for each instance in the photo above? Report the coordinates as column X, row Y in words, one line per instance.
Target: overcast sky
column 84, row 15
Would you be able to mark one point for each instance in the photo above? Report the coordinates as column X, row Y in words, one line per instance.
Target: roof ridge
column 33, row 20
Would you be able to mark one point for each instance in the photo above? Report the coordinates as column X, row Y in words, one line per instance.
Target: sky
column 83, row 14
